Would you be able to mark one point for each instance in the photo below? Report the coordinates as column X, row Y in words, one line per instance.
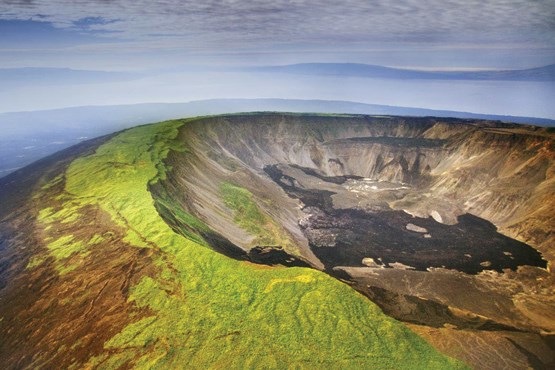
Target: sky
column 104, row 34
column 175, row 36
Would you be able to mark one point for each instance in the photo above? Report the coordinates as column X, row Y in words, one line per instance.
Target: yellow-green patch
column 249, row 216
column 65, row 247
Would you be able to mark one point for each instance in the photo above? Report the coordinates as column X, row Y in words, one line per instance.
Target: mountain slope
column 107, row 283
column 188, row 244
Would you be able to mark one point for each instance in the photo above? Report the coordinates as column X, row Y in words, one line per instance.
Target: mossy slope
column 207, row 310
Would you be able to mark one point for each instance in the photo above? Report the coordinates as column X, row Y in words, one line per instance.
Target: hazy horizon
column 175, row 51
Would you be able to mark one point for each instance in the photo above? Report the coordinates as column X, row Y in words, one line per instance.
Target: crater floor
column 383, row 237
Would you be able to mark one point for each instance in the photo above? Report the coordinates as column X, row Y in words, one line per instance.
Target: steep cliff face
column 505, row 176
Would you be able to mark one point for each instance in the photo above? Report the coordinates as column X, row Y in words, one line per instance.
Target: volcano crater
column 346, row 191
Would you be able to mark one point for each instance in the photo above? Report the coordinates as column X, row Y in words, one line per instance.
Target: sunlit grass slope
column 250, row 217
column 209, row 311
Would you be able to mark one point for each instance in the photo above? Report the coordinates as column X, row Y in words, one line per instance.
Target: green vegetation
column 207, row 310
column 251, row 218
column 62, row 247
column 95, row 239
column 65, row 247
column 67, row 214
column 188, row 225
column 35, row 261
column 55, row 181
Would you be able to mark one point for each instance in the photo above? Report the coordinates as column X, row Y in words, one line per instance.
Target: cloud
column 234, row 23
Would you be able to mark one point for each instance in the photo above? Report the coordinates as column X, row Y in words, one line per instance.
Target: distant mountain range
column 28, row 136
column 546, row 73
column 67, row 76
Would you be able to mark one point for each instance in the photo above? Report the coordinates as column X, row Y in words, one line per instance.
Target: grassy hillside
column 205, row 309
column 250, row 217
